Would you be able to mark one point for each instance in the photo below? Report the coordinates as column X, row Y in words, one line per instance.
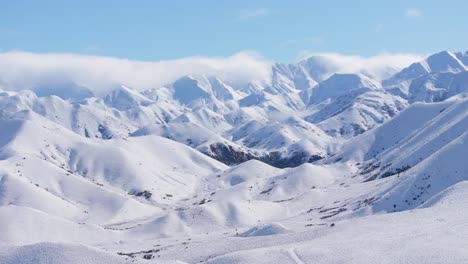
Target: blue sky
column 278, row 30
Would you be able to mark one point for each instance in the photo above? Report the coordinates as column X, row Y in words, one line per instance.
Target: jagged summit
column 444, row 61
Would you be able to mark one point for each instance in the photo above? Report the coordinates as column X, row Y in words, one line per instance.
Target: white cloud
column 24, row 70
column 246, row 14
column 380, row 66
column 413, row 12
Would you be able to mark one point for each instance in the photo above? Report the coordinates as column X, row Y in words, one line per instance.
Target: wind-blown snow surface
column 339, row 169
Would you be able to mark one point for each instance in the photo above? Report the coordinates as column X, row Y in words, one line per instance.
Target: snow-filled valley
column 316, row 166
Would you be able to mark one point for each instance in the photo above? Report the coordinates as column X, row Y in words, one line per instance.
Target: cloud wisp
column 380, row 66
column 413, row 12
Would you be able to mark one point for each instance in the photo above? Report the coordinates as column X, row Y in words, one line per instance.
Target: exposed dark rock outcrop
column 232, row 156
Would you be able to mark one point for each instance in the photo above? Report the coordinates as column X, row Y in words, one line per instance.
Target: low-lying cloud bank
column 26, row 70
column 380, row 66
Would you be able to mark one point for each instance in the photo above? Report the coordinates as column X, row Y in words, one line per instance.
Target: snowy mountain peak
column 352, row 80
column 318, row 67
column 65, row 90
column 297, row 75
column 444, row 61
column 199, row 90
column 340, row 84
column 188, row 89
column 124, row 98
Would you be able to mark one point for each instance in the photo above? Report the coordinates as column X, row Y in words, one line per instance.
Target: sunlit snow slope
column 317, row 166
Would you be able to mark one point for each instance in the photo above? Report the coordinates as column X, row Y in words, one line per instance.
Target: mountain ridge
column 201, row 170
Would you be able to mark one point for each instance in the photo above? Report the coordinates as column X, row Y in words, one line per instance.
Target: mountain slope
column 320, row 165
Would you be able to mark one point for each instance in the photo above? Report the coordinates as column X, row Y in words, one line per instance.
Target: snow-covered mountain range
column 317, row 166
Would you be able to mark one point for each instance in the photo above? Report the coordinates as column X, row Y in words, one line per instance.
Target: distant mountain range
column 200, row 170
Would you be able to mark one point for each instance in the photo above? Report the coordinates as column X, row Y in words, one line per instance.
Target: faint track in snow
column 293, row 255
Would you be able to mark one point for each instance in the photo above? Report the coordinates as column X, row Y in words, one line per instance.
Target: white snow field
column 318, row 166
